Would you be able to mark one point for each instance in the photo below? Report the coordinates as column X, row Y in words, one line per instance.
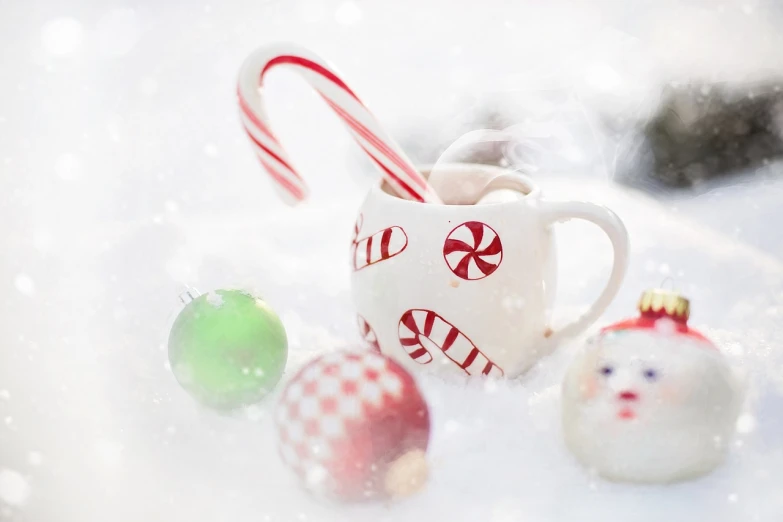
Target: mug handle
column 553, row 212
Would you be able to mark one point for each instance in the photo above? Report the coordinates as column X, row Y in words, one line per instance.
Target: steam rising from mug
column 518, row 142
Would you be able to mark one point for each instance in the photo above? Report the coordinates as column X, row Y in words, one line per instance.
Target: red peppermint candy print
column 377, row 247
column 368, row 334
column 473, row 250
column 344, row 419
column 422, row 331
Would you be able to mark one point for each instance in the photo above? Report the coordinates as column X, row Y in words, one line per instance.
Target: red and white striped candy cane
column 421, row 330
column 395, row 167
column 368, row 334
column 380, row 246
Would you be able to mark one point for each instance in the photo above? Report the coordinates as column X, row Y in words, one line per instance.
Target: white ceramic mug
column 467, row 288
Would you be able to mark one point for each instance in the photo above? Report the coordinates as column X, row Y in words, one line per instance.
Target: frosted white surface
column 126, row 176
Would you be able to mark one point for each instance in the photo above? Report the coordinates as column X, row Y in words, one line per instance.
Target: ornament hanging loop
column 189, row 295
column 671, row 286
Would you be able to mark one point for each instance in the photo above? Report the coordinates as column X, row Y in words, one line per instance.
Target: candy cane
column 387, row 156
column 380, row 246
column 419, row 329
column 368, row 334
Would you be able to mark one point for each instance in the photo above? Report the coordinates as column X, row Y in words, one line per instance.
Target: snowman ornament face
column 650, row 400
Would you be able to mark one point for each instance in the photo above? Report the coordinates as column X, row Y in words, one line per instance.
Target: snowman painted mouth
column 626, row 413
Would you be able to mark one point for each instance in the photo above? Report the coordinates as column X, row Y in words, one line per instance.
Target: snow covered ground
column 126, row 176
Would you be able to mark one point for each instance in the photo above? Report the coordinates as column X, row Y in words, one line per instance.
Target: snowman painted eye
column 606, row 371
column 650, row 374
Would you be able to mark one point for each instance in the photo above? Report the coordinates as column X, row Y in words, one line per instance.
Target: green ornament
column 227, row 348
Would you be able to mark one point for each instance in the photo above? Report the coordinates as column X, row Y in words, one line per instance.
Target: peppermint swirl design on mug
column 473, row 250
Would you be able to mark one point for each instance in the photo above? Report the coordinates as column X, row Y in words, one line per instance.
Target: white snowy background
column 125, row 177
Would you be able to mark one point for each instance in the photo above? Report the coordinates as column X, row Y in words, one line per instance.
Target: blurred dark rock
column 703, row 131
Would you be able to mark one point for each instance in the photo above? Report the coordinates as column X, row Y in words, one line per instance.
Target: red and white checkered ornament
column 354, row 425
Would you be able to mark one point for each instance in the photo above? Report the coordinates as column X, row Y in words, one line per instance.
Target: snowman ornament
column 650, row 400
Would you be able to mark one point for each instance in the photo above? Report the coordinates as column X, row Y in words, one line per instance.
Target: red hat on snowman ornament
column 650, row 400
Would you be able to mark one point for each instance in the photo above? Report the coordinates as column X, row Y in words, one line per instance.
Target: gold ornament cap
column 407, row 474
column 658, row 302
